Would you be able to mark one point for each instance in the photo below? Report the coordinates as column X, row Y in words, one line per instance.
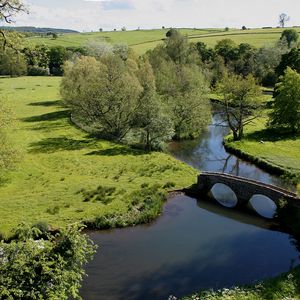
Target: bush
column 37, row 71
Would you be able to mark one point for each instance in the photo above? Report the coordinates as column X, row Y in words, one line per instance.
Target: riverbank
column 286, row 286
column 65, row 176
column 274, row 152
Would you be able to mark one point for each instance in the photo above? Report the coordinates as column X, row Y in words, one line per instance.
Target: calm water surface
column 194, row 244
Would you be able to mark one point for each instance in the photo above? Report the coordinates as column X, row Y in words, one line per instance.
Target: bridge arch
column 246, row 189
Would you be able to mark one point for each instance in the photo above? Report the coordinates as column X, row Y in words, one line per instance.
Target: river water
column 195, row 244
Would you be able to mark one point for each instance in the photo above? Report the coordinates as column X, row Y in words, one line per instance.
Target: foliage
column 57, row 56
column 291, row 36
column 286, row 108
column 241, row 102
column 283, row 18
column 181, row 83
column 39, row 56
column 38, row 265
column 290, row 59
column 154, row 124
column 7, row 152
column 285, row 286
column 12, row 62
column 104, row 93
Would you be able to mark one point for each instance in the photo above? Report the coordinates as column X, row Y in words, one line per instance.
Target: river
column 195, row 244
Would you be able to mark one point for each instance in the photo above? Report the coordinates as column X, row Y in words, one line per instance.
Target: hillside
column 142, row 40
column 41, row 30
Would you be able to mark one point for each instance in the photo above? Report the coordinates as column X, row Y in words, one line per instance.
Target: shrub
column 37, row 71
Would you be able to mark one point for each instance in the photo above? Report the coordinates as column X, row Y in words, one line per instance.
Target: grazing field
column 65, row 176
column 279, row 150
column 143, row 40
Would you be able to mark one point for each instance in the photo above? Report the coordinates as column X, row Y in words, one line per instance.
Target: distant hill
column 37, row 29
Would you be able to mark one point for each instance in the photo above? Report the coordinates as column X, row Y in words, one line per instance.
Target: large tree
column 8, row 10
column 103, row 93
column 241, row 102
column 291, row 36
column 151, row 120
column 286, row 110
column 290, row 59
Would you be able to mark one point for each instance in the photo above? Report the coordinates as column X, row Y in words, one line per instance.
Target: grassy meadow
column 63, row 175
column 270, row 147
column 143, row 40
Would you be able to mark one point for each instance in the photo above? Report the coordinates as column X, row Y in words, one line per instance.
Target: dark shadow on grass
column 53, row 116
column 118, row 151
column 51, row 145
column 272, row 135
column 47, row 103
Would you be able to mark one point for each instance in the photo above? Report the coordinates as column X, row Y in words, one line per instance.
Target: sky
column 90, row 15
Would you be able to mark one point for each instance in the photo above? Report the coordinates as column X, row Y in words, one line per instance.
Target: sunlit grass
column 58, row 161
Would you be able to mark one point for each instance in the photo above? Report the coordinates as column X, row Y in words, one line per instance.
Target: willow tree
column 104, row 94
column 241, row 102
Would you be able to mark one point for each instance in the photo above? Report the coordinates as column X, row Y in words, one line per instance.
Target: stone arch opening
column 263, row 205
column 224, row 195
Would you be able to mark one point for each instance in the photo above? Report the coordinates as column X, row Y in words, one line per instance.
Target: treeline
column 266, row 64
column 38, row 61
column 41, row 30
column 143, row 101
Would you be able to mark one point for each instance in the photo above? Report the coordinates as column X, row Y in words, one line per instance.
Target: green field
column 58, row 160
column 143, row 40
column 279, row 150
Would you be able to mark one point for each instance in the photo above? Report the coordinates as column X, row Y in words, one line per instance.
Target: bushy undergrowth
column 144, row 205
column 284, row 287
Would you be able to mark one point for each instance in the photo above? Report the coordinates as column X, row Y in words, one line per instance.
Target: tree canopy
column 286, row 109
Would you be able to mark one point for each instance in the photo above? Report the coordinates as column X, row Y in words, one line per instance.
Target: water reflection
column 264, row 206
column 224, row 195
column 207, row 153
column 189, row 248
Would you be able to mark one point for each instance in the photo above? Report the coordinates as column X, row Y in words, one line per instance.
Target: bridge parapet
column 246, row 188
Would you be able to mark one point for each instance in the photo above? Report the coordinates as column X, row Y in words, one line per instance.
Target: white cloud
column 109, row 14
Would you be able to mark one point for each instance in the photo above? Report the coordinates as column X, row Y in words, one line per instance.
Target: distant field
column 143, row 40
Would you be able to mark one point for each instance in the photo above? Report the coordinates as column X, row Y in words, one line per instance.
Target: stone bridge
column 245, row 189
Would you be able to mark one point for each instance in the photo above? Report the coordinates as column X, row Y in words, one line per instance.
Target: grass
column 143, row 40
column 65, row 176
column 262, row 145
column 286, row 286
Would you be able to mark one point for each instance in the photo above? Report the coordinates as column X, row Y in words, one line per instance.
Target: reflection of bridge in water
column 240, row 215
column 234, row 191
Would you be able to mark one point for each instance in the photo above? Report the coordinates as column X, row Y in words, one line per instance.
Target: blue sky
column 86, row 15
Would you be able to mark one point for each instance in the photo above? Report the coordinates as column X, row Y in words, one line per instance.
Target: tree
column 283, row 18
column 291, row 36
column 38, row 265
column 104, row 94
column 244, row 28
column 267, row 60
column 57, row 55
column 184, row 90
column 100, row 29
column 151, row 119
column 98, row 49
column 123, row 28
column 290, row 59
column 286, row 109
column 12, row 62
column 171, row 33
column 8, row 9
column 227, row 49
column 240, row 102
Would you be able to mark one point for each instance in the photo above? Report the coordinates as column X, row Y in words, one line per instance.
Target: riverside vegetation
column 66, row 174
